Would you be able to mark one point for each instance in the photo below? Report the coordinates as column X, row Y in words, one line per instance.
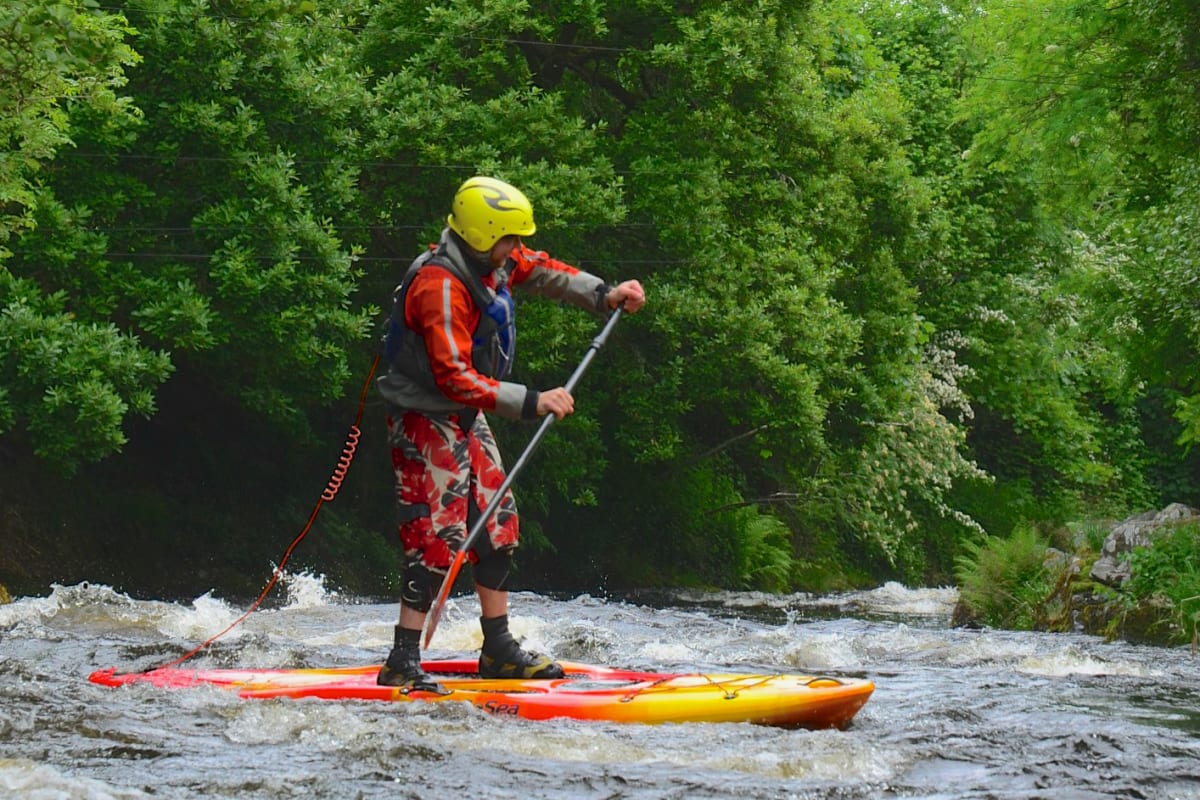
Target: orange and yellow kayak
column 586, row 693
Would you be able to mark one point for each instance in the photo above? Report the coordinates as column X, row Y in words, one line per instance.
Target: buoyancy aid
column 409, row 382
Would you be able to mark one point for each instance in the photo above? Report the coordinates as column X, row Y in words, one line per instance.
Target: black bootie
column 502, row 656
column 403, row 666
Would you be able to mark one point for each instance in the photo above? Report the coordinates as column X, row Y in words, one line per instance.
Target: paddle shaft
column 439, row 604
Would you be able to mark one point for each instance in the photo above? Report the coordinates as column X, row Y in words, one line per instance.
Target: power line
column 356, row 259
column 334, row 226
column 774, row 170
column 309, row 21
column 340, row 162
column 314, row 22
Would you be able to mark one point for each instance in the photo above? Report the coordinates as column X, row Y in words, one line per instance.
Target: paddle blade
column 439, row 603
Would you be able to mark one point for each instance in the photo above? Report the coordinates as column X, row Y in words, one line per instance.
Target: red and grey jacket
column 451, row 339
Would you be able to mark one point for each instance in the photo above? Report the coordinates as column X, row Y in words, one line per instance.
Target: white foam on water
column 896, row 598
column 735, row 749
column 32, row 781
column 816, row 755
column 667, row 652
column 902, row 642
column 458, row 629
column 1050, row 655
column 747, row 599
column 968, row 648
column 832, row 651
column 817, row 648
column 457, row 632
column 92, row 599
column 372, row 635
column 1071, row 661
column 530, row 630
column 321, row 725
column 602, row 744
column 25, row 609
column 206, row 616
column 305, row 590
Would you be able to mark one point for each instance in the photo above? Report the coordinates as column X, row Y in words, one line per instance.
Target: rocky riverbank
column 1152, row 618
column 1140, row 582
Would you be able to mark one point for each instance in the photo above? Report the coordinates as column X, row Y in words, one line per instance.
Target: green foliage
column 71, row 384
column 192, row 214
column 1090, row 536
column 1101, row 93
column 1097, row 103
column 1166, row 286
column 780, row 324
column 253, row 117
column 915, row 269
column 1169, row 567
column 900, row 480
column 719, row 539
column 764, row 553
column 1007, row 284
column 54, row 57
column 1003, row 582
column 69, row 378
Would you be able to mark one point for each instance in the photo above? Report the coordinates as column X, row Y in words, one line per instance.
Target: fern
column 1002, row 582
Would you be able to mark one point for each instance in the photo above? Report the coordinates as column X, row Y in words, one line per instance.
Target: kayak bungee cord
column 327, row 496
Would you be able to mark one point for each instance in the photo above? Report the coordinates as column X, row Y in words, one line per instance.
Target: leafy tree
column 864, row 303
column 1169, row 569
column 1006, row 286
column 236, row 179
column 68, row 377
column 193, row 214
column 1099, row 100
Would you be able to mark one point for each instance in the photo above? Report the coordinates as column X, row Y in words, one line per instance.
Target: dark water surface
column 957, row 714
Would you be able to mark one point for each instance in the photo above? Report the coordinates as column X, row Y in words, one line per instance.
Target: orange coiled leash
column 343, row 465
column 327, row 496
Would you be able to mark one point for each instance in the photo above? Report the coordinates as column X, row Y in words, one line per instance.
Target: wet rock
column 1065, row 565
column 1112, row 568
column 964, row 617
column 1093, row 614
column 1151, row 621
column 1056, row 612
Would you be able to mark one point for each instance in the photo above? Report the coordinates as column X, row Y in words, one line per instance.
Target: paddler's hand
column 555, row 401
column 630, row 293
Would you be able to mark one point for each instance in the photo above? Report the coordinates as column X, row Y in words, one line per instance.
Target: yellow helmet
column 485, row 209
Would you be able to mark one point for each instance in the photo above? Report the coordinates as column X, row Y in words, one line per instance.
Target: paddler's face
column 503, row 248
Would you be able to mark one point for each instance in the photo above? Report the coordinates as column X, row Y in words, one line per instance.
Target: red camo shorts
column 444, row 477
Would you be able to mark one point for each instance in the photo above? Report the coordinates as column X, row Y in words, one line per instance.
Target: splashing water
column 305, row 590
column 957, row 714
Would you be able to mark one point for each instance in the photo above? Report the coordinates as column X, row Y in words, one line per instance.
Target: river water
column 956, row 713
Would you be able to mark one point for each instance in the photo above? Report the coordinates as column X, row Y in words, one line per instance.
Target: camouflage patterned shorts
column 444, row 477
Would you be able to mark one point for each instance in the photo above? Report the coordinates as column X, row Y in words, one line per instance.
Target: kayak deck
column 586, row 693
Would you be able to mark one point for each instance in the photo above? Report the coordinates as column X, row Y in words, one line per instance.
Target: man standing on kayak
column 450, row 345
